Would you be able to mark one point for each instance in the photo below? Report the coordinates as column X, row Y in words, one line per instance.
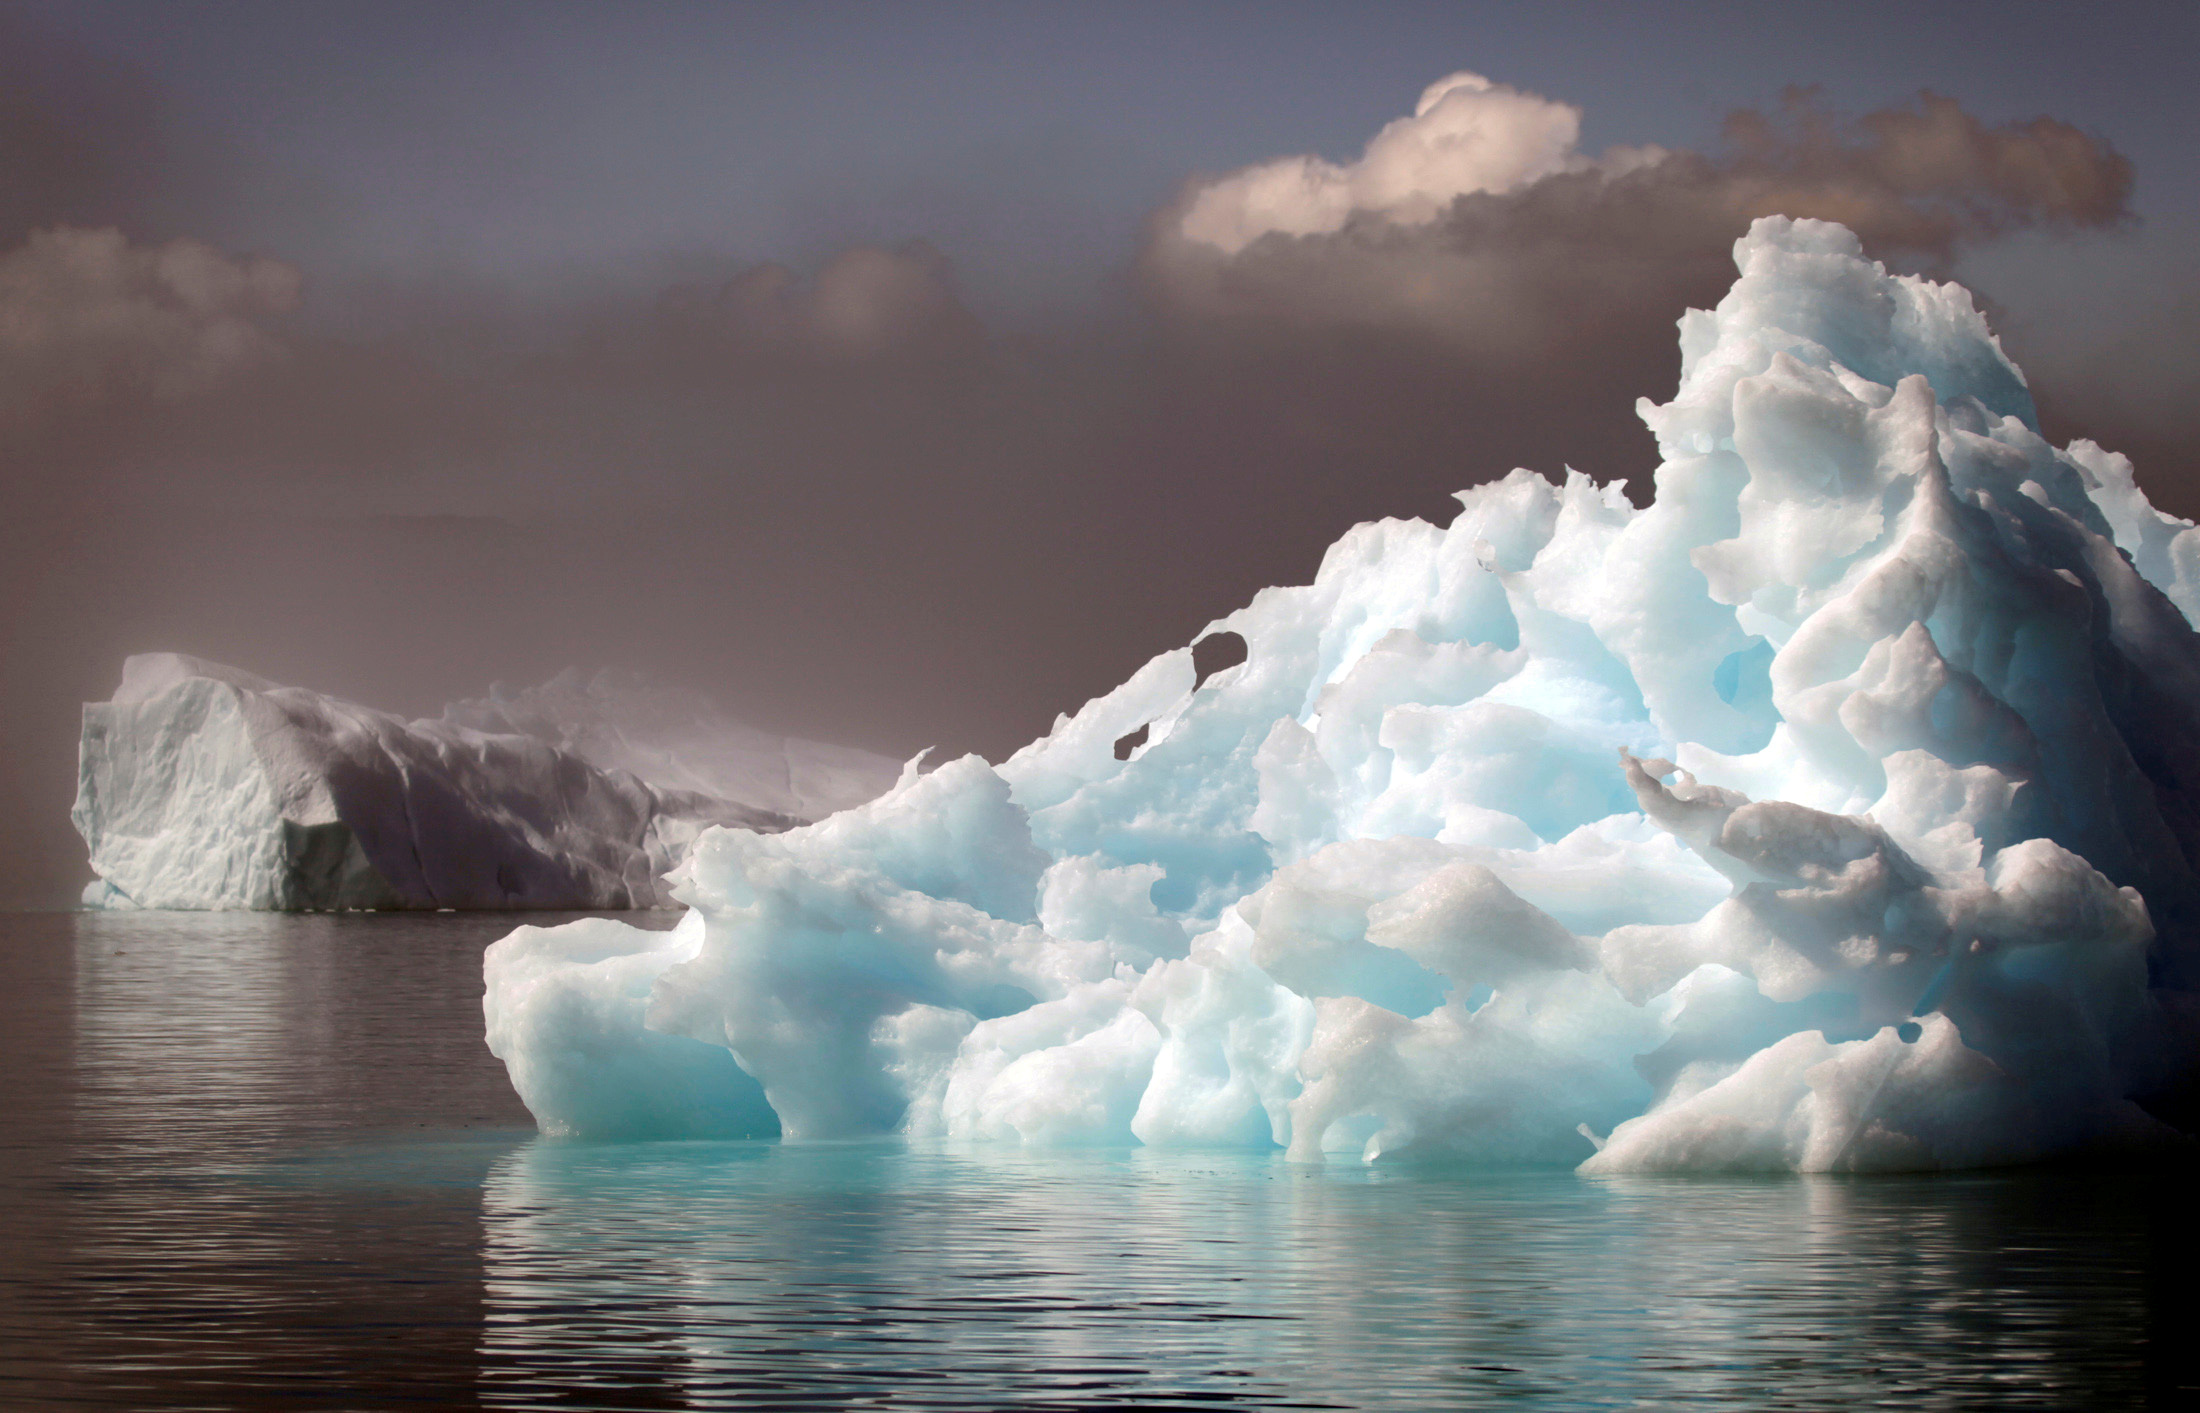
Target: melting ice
column 1835, row 811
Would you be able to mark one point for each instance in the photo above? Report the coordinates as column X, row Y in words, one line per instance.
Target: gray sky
column 849, row 362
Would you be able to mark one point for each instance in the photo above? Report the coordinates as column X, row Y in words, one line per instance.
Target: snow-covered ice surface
column 1836, row 811
column 200, row 786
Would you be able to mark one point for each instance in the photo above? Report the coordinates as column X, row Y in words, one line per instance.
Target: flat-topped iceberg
column 1837, row 810
column 200, row 786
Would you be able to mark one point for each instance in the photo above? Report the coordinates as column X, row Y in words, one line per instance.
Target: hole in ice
column 1908, row 1032
column 1000, row 999
column 1744, row 679
column 1215, row 653
column 1131, row 741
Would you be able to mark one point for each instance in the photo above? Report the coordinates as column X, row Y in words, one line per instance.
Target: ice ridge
column 1837, row 810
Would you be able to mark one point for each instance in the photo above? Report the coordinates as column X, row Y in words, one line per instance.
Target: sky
column 904, row 375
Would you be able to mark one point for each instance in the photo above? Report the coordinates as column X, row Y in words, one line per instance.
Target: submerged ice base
column 1836, row 811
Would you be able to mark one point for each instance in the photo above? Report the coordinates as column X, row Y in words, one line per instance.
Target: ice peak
column 1806, row 289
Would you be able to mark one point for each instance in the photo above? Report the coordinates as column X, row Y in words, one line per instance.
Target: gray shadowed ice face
column 201, row 786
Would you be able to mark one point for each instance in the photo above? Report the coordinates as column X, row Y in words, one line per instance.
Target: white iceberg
column 1835, row 811
column 200, row 786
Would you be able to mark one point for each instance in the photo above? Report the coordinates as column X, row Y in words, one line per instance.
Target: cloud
column 1475, row 292
column 85, row 316
column 866, row 303
column 1478, row 220
column 1925, row 179
column 2104, row 330
column 1467, row 135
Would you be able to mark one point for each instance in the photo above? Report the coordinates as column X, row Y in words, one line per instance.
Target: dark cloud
column 1921, row 179
column 2105, row 329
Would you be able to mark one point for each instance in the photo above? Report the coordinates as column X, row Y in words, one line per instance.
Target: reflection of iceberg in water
column 749, row 1269
column 243, row 996
column 228, row 1033
column 732, row 1275
column 257, row 1164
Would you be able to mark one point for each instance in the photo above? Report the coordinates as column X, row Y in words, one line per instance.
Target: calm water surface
column 265, row 1162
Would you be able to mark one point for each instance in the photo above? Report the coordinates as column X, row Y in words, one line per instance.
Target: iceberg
column 1835, row 811
column 200, row 786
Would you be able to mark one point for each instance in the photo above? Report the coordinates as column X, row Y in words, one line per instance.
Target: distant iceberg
column 1836, row 811
column 200, row 786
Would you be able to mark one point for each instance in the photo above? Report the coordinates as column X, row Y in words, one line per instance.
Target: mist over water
column 264, row 1161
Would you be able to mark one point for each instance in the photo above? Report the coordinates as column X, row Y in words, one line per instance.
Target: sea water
column 265, row 1161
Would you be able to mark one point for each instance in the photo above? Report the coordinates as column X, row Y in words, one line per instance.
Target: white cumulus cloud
column 1466, row 135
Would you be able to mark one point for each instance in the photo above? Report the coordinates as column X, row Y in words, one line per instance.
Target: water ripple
column 256, row 1162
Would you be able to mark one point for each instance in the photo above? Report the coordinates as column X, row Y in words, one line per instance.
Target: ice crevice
column 1837, row 810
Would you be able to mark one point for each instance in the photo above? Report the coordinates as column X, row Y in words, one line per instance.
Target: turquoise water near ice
column 265, row 1162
